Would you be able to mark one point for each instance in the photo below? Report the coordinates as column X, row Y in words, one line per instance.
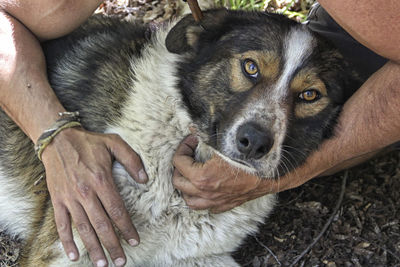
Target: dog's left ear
column 186, row 35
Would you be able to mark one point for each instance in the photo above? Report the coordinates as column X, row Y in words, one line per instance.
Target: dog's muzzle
column 253, row 141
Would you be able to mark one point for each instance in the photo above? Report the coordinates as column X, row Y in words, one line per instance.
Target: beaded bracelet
column 66, row 120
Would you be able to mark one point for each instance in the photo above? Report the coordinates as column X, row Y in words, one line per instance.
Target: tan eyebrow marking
column 306, row 79
column 268, row 64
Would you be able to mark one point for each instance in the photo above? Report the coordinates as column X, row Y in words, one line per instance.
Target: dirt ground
column 363, row 231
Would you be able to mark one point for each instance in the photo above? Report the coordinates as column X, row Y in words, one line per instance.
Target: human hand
column 215, row 185
column 218, row 186
column 78, row 167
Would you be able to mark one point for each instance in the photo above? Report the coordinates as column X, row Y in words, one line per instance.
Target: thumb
column 187, row 146
column 184, row 157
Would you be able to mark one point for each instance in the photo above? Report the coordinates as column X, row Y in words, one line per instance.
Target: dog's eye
column 309, row 95
column 250, row 68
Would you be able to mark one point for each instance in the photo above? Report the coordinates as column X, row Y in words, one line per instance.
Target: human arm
column 368, row 123
column 372, row 23
column 78, row 163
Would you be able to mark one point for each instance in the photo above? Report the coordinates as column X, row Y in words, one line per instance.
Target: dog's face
column 263, row 89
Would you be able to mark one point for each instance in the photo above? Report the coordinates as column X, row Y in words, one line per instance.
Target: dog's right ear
column 187, row 34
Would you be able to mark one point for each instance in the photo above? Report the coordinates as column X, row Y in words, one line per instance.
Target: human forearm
column 24, row 88
column 25, row 93
column 370, row 120
column 374, row 25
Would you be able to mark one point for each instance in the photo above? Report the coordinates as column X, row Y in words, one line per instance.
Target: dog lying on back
column 261, row 90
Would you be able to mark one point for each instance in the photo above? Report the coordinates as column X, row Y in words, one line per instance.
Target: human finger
column 105, row 232
column 125, row 155
column 116, row 210
column 193, row 189
column 63, row 224
column 88, row 235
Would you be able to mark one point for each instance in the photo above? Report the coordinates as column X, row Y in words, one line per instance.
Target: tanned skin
column 78, row 163
column 369, row 122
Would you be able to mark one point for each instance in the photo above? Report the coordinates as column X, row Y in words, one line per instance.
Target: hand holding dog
column 216, row 185
column 78, row 172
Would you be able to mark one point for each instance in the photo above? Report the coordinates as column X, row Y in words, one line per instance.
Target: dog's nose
column 253, row 141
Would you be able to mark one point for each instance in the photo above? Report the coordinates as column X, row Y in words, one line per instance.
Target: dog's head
column 262, row 89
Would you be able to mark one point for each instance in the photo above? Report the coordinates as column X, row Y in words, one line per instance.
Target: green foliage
column 296, row 9
column 288, row 11
column 243, row 4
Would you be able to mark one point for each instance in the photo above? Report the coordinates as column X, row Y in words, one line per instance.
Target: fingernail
column 133, row 242
column 101, row 263
column 142, row 175
column 72, row 256
column 119, row 262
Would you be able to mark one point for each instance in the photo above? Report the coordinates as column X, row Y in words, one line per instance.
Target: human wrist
column 62, row 142
column 25, row 93
column 262, row 187
column 65, row 121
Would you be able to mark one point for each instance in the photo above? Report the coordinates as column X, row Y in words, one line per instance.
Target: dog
column 261, row 91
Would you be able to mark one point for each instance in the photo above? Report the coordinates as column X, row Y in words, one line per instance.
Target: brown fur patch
column 267, row 62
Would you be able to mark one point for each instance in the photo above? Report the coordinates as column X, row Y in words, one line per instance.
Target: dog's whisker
column 293, row 166
column 295, row 162
column 295, row 149
column 286, row 160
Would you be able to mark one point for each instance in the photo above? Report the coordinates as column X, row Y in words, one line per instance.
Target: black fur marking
column 94, row 66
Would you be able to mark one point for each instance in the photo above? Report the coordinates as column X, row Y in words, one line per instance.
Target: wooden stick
column 196, row 11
